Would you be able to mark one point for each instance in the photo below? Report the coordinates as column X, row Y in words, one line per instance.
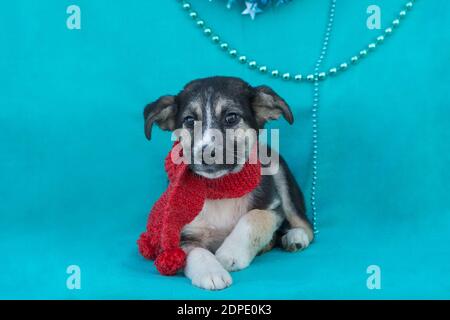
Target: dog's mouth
column 212, row 171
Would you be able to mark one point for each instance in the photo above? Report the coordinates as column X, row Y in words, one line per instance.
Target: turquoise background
column 77, row 176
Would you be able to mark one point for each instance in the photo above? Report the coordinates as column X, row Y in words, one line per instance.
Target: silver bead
column 354, row 59
column 388, row 31
column 343, row 66
column 252, row 64
column 224, row 45
column 372, row 46
column 233, row 53
column 363, row 53
column 242, row 59
column 332, row 71
column 200, row 23
column 275, row 73
column 186, row 6
column 215, row 39
column 396, row 22
column 263, row 69
column 409, row 5
column 380, row 39
column 298, row 77
column 402, row 14
column 310, row 77
column 286, row 76
column 322, row 75
column 207, row 31
column 193, row 15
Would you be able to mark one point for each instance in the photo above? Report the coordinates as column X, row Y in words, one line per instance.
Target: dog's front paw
column 212, row 279
column 205, row 271
column 295, row 239
column 233, row 258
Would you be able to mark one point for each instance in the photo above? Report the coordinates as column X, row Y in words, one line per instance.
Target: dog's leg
column 205, row 271
column 300, row 233
column 251, row 234
column 297, row 238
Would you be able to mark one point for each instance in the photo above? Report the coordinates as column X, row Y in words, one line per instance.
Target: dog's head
column 215, row 118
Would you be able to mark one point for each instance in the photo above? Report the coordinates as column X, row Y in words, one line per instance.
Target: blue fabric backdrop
column 77, row 177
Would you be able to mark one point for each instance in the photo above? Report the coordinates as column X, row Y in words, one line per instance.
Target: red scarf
column 181, row 203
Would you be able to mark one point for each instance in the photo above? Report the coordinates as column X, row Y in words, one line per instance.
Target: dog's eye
column 231, row 119
column 189, row 121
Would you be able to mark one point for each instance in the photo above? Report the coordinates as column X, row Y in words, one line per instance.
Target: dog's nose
column 211, row 153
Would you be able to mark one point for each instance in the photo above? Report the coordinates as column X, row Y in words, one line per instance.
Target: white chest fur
column 221, row 214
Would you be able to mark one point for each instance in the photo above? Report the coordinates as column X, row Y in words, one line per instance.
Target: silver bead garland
column 297, row 76
column 318, row 76
column 315, row 77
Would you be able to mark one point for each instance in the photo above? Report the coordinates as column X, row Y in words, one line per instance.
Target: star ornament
column 251, row 9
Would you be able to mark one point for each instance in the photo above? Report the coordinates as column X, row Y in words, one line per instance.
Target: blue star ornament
column 251, row 9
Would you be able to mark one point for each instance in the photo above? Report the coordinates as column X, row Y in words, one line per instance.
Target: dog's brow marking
column 220, row 104
column 195, row 106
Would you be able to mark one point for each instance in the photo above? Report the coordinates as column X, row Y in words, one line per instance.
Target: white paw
column 234, row 258
column 295, row 239
column 212, row 280
column 205, row 271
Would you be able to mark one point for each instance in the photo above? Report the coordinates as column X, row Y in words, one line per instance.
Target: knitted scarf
column 181, row 203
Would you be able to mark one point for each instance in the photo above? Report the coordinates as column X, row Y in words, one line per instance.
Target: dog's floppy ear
column 163, row 112
column 268, row 105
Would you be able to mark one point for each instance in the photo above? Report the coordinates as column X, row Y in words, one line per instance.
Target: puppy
column 227, row 234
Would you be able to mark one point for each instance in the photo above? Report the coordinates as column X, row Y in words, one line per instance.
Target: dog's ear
column 268, row 105
column 163, row 112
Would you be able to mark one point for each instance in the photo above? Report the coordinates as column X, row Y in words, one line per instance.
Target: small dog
column 228, row 233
